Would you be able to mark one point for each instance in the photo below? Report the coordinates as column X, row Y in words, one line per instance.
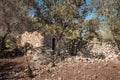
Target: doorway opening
column 53, row 43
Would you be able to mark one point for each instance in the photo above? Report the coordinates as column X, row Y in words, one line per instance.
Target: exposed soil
column 13, row 68
column 72, row 68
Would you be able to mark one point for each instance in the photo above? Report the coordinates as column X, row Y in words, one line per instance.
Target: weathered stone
column 33, row 38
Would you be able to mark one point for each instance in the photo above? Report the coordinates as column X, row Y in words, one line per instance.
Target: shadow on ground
column 8, row 70
column 8, row 53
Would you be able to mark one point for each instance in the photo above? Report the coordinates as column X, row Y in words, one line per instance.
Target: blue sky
column 87, row 2
column 90, row 14
column 88, row 17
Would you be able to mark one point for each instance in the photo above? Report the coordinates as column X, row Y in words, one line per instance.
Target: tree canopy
column 58, row 17
column 61, row 17
column 110, row 10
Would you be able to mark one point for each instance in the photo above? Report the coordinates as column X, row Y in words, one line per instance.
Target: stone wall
column 102, row 51
column 33, row 38
column 48, row 41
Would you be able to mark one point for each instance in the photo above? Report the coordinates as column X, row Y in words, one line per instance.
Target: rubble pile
column 104, row 52
column 33, row 38
column 108, row 51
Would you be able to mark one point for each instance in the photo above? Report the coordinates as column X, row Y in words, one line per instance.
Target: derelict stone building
column 53, row 43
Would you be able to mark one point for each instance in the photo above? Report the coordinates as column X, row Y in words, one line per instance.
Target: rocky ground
column 71, row 68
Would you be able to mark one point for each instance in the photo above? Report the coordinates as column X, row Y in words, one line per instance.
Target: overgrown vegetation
column 66, row 22
column 60, row 18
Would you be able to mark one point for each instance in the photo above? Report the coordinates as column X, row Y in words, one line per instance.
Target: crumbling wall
column 33, row 38
column 101, row 51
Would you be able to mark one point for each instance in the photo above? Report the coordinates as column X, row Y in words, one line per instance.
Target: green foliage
column 62, row 18
column 71, row 34
column 57, row 17
column 10, row 42
column 107, row 36
column 110, row 10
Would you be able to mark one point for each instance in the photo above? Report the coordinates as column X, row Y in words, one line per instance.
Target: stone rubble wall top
column 33, row 38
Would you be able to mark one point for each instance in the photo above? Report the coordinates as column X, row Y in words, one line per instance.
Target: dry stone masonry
column 42, row 54
column 33, row 38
